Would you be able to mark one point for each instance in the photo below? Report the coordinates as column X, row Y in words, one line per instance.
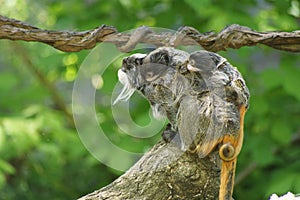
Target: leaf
column 6, row 167
column 20, row 135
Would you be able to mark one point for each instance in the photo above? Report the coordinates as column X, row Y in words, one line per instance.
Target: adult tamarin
column 201, row 94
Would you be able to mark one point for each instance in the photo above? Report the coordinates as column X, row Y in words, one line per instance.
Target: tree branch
column 234, row 36
column 165, row 172
column 63, row 40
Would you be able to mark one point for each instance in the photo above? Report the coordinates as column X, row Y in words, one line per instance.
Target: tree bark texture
column 233, row 36
column 165, row 172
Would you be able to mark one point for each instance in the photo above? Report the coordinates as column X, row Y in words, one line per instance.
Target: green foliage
column 41, row 155
column 42, row 158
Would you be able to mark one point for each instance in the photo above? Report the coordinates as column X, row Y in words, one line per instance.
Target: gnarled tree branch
column 234, row 36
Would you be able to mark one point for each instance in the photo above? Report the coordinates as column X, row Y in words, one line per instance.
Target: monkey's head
column 156, row 77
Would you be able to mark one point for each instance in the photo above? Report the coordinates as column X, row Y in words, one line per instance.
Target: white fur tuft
column 127, row 90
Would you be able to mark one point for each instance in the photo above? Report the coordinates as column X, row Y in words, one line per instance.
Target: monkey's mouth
column 127, row 90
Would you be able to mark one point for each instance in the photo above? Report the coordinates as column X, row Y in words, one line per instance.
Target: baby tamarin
column 201, row 94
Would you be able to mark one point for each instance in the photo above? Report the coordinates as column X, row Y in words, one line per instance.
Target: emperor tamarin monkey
column 201, row 94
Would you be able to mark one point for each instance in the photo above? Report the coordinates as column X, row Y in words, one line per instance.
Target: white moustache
column 127, row 90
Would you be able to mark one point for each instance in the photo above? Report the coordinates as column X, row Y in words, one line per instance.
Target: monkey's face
column 155, row 76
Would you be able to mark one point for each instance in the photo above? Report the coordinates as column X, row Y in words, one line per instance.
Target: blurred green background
column 41, row 155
